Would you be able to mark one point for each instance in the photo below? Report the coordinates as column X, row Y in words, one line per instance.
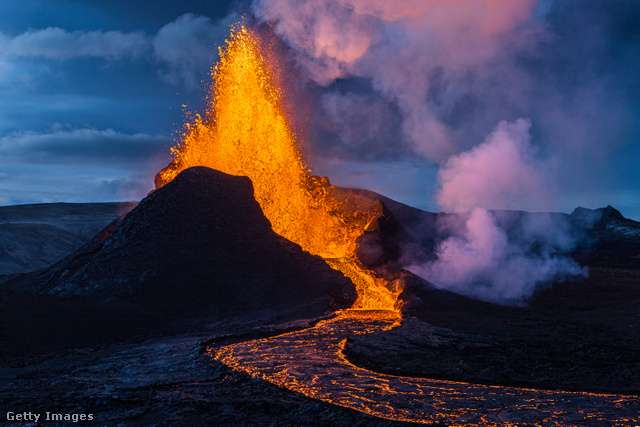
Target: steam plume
column 481, row 259
column 432, row 78
column 482, row 262
column 501, row 173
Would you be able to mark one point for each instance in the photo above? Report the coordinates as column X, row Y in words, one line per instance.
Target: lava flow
column 245, row 131
column 312, row 362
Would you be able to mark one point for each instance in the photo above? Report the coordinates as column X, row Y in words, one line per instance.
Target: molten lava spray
column 245, row 131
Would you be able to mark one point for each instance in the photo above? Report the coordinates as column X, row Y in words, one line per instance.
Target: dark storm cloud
column 81, row 146
column 186, row 48
column 91, row 92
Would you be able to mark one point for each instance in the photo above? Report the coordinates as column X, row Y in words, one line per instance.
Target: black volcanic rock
column 609, row 239
column 379, row 247
column 577, row 335
column 199, row 244
column 25, row 247
column 589, row 218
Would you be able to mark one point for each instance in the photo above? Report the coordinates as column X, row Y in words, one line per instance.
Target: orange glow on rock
column 245, row 131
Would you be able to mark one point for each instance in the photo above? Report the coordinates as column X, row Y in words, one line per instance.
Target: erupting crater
column 246, row 131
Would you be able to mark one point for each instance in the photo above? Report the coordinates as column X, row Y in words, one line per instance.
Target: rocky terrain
column 120, row 328
column 579, row 334
column 595, row 237
column 166, row 381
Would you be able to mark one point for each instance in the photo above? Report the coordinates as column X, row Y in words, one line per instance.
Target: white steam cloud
column 481, row 259
column 500, row 173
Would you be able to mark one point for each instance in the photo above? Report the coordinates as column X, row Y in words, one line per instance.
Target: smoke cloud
column 444, row 73
column 431, row 79
column 415, row 54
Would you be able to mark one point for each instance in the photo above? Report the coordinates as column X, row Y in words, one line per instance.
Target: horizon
column 414, row 207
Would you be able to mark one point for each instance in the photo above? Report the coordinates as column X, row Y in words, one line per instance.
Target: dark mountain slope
column 35, row 236
column 200, row 242
column 600, row 237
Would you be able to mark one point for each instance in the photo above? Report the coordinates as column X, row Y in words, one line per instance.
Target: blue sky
column 91, row 93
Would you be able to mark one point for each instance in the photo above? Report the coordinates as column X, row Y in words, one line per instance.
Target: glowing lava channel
column 313, row 362
column 245, row 131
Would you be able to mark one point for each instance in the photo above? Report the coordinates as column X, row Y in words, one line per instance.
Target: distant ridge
column 604, row 237
column 35, row 236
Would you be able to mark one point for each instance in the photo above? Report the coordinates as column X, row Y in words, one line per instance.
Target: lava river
column 311, row 361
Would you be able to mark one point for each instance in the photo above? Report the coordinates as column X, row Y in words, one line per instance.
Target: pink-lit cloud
column 501, row 173
column 481, row 259
column 396, row 46
column 468, row 81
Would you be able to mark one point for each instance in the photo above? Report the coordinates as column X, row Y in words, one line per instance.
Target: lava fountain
column 245, row 131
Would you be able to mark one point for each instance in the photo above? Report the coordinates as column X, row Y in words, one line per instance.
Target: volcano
column 200, row 244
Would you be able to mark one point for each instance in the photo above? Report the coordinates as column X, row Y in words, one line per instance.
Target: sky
column 444, row 105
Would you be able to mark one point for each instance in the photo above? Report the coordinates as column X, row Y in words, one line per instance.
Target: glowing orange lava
column 245, row 131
